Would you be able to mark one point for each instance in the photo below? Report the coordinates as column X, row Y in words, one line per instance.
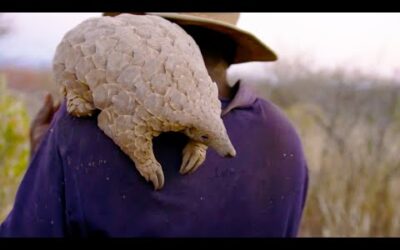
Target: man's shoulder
column 65, row 124
column 273, row 115
column 276, row 123
column 70, row 130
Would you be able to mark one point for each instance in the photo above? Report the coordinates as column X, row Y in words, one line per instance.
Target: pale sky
column 366, row 41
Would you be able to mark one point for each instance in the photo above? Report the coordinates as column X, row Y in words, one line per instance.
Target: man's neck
column 217, row 72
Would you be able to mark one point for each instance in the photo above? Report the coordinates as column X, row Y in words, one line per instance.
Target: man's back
column 80, row 183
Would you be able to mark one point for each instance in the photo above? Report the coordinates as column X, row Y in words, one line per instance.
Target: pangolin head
column 211, row 132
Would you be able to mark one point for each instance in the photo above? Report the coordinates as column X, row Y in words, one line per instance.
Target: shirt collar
column 244, row 97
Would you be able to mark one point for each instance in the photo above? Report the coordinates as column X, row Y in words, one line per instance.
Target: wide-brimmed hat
column 249, row 47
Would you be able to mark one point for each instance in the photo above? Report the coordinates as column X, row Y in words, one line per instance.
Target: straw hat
column 249, row 47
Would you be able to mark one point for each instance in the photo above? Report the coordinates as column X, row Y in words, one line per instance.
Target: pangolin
column 146, row 75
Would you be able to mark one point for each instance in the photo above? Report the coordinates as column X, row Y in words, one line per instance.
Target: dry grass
column 351, row 135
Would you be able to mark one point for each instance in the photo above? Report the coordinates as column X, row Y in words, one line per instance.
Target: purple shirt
column 80, row 183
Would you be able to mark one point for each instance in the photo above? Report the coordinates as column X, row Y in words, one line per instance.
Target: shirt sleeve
column 38, row 210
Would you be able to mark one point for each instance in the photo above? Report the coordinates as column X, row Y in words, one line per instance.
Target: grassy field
column 14, row 145
column 350, row 128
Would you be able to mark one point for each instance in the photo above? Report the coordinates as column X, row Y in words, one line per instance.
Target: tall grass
column 350, row 128
column 14, row 146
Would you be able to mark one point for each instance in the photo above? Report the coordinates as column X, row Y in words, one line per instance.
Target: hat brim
column 249, row 47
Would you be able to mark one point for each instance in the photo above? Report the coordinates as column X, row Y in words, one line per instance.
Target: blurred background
column 337, row 79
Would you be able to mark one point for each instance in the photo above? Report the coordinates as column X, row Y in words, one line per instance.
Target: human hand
column 41, row 122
